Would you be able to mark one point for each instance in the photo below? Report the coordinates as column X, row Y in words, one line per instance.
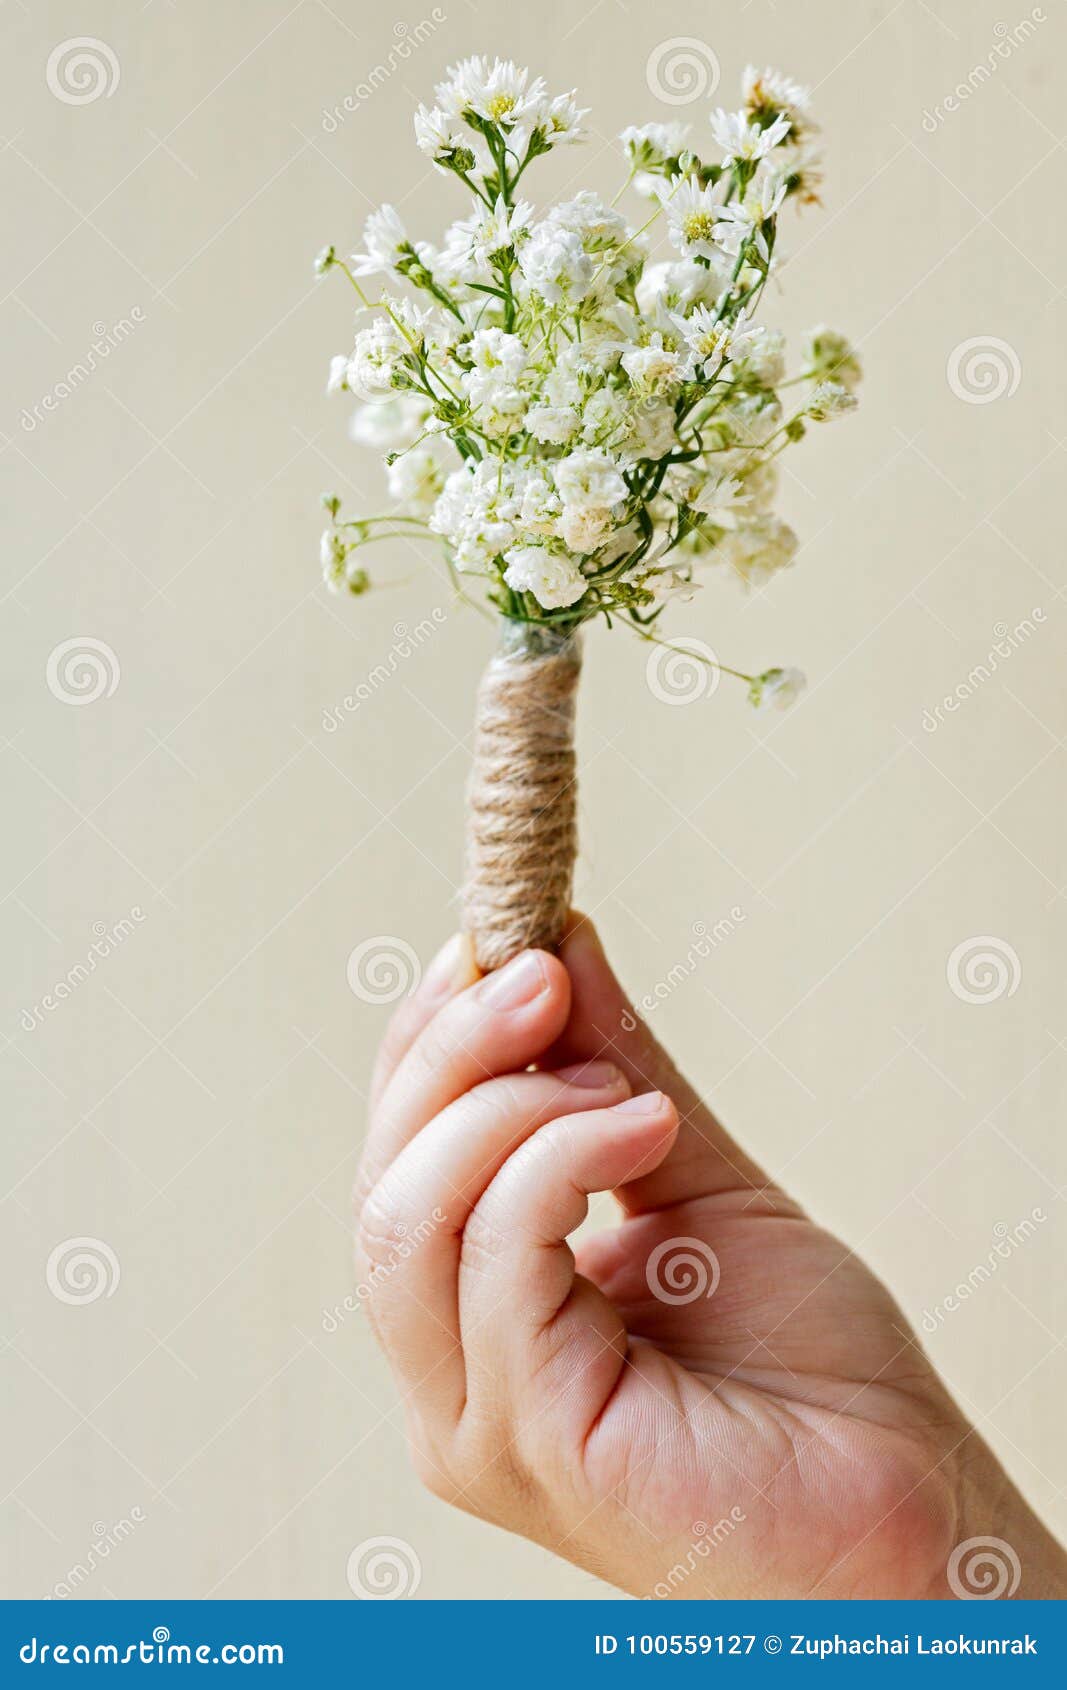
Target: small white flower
column 589, row 480
column 830, row 399
column 758, row 548
column 710, row 341
column 415, row 480
column 384, row 236
column 830, row 355
column 692, row 213
column 648, row 146
column 742, row 139
column 554, row 581
column 777, row 689
column 766, row 91
column 437, row 134
column 389, row 426
column 653, row 368
column 744, row 221
column 552, row 425
column 337, row 380
column 555, row 264
column 721, row 499
column 583, row 530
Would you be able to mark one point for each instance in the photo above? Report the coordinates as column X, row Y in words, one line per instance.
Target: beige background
column 195, row 1104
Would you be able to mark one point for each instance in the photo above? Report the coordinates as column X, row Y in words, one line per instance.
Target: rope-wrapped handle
column 521, row 815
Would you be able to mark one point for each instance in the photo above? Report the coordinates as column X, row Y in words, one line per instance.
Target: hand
column 715, row 1399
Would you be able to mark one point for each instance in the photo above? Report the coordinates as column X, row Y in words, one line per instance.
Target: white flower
column 777, row 689
column 554, row 581
column 552, row 425
column 589, row 480
column 374, row 359
column 829, row 354
column 384, row 236
column 762, row 353
column 675, row 287
column 649, row 145
column 559, row 121
column 438, row 135
column 653, row 368
column 721, row 499
column 756, row 549
column 494, row 353
column 743, row 222
column 540, row 504
column 710, row 341
column 741, row 138
column 337, row 380
column 582, row 530
column 415, row 480
column 496, row 91
column 692, row 212
column 555, row 264
column 766, row 91
column 830, row 399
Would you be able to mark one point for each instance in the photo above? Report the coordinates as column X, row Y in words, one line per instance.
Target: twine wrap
column 521, row 810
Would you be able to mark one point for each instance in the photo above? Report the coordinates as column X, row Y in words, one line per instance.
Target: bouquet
column 578, row 425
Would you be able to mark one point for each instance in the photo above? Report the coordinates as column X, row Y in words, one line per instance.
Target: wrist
column 1002, row 1548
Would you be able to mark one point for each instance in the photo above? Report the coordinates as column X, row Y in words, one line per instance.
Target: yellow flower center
column 698, row 226
column 500, row 106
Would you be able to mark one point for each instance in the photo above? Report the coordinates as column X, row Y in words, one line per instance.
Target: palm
column 792, row 1394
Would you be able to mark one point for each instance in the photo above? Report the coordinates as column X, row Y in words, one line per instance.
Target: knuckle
column 383, row 1225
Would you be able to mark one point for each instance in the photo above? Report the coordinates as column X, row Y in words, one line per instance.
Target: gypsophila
column 579, row 419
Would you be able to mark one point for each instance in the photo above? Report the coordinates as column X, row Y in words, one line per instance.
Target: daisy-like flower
column 710, row 339
column 768, row 94
column 653, row 368
column 497, row 92
column 650, row 146
column 740, row 138
column 438, row 135
column 744, row 221
column 386, row 241
column 692, row 212
column 722, row 499
column 556, row 123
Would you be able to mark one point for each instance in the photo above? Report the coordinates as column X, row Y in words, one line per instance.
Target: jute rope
column 521, row 828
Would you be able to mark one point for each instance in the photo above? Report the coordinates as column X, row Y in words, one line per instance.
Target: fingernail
column 649, row 1103
column 510, row 987
column 593, row 1076
column 440, row 977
